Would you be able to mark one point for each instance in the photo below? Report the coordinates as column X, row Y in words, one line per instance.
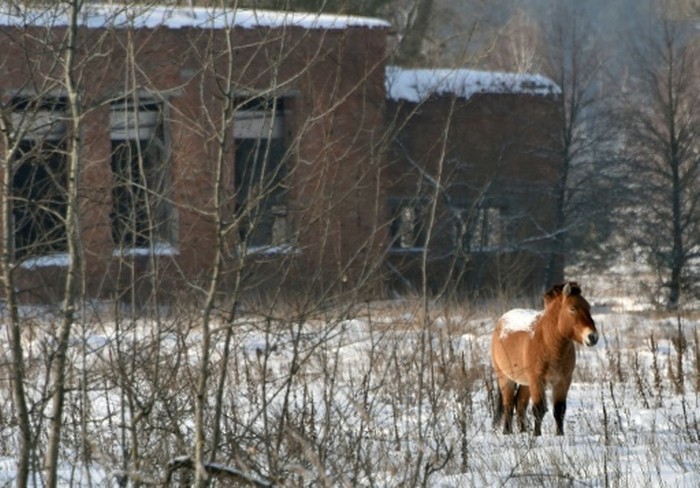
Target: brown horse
column 530, row 349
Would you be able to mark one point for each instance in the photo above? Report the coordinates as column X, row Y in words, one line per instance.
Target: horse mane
column 557, row 290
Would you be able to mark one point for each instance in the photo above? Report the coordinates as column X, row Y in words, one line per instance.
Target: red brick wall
column 503, row 146
column 335, row 128
column 333, row 81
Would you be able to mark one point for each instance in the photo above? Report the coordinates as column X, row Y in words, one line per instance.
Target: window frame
column 474, row 228
column 260, row 173
column 142, row 216
column 39, row 177
column 418, row 207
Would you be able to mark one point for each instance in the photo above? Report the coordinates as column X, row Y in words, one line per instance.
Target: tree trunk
column 412, row 41
column 677, row 260
column 17, row 352
column 71, row 281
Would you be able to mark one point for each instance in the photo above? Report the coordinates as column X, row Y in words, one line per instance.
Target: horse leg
column 559, row 412
column 539, row 405
column 498, row 409
column 559, row 394
column 507, row 389
column 522, row 398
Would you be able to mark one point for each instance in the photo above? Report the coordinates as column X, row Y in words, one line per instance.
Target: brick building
column 270, row 128
column 486, row 144
column 306, row 97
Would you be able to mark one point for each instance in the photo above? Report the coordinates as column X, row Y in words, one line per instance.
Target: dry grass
column 374, row 394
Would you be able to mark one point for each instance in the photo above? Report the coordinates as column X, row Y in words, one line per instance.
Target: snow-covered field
column 381, row 395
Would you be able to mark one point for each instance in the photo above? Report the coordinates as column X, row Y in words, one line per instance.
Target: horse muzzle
column 591, row 339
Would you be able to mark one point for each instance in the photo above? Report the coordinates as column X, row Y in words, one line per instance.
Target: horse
column 530, row 349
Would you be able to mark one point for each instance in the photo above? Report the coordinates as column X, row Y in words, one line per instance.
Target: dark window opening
column 261, row 197
column 260, row 173
column 408, row 224
column 135, row 168
column 39, row 178
column 481, row 229
column 28, row 105
column 39, row 199
column 268, row 105
column 140, row 215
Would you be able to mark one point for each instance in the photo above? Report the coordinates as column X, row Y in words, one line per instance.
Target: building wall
column 333, row 87
column 492, row 150
column 349, row 158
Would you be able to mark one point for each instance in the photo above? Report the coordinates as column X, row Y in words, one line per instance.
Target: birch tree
column 73, row 277
column 41, row 218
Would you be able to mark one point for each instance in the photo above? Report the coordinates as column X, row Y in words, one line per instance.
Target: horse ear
column 567, row 290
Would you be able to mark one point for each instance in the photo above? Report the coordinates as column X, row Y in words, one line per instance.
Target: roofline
column 124, row 16
column 419, row 84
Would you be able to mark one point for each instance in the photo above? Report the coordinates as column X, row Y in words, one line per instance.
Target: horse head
column 575, row 315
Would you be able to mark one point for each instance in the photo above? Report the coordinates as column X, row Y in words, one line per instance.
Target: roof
column 150, row 16
column 416, row 85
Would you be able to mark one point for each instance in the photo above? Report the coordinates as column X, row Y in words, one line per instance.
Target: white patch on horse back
column 519, row 320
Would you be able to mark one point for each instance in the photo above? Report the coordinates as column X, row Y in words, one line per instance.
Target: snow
column 519, row 320
column 135, row 16
column 628, row 422
column 63, row 259
column 272, row 250
column 158, row 249
column 58, row 259
column 417, row 85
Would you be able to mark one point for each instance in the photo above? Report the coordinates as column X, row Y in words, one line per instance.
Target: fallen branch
column 216, row 470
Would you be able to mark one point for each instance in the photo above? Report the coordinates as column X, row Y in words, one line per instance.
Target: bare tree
column 575, row 58
column 661, row 116
column 73, row 277
column 24, row 452
column 39, row 216
column 516, row 46
column 228, row 363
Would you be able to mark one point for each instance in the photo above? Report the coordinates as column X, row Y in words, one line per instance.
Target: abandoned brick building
column 483, row 146
column 286, row 134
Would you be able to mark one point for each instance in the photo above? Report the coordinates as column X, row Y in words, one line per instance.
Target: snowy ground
column 378, row 398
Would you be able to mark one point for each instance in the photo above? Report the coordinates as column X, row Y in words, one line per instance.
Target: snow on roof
column 415, row 85
column 141, row 16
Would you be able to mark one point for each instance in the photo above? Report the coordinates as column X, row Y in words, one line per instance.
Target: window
column 141, row 216
column 407, row 224
column 39, row 200
column 480, row 229
column 261, row 196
